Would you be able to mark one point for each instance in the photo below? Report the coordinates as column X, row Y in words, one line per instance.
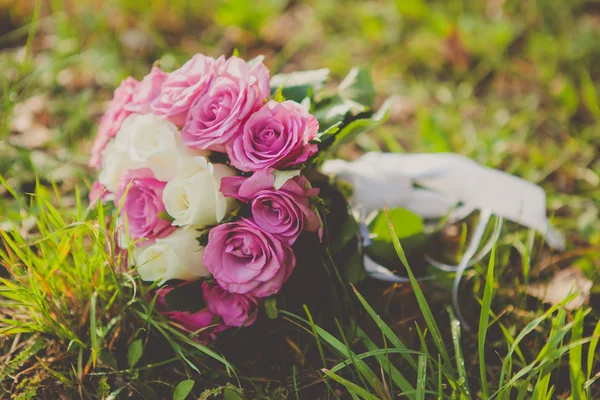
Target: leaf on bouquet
column 299, row 85
column 329, row 132
column 358, row 86
column 271, row 307
column 281, row 177
column 406, row 223
column 342, row 233
column 358, row 126
column 354, row 95
column 409, row 228
column 256, row 60
column 165, row 216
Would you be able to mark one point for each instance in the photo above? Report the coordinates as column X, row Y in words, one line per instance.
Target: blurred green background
column 511, row 83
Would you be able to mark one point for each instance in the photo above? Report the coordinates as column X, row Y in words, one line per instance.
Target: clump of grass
column 75, row 321
column 439, row 367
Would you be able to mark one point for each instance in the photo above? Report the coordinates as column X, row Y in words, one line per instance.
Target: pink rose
column 143, row 204
column 285, row 213
column 112, row 119
column 147, row 91
column 276, row 136
column 219, row 114
column 183, row 86
column 245, row 259
column 192, row 321
column 235, row 309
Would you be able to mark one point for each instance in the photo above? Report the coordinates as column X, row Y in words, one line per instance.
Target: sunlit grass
column 70, row 300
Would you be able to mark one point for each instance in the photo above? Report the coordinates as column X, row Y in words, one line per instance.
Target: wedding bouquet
column 208, row 167
column 216, row 171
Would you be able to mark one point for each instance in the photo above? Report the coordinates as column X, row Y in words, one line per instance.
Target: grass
column 512, row 84
column 76, row 315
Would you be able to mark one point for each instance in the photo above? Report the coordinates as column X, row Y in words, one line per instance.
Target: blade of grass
column 421, row 377
column 339, row 347
column 576, row 373
column 399, row 379
column 345, row 341
column 458, row 354
column 592, row 350
column 371, row 353
column 385, row 329
column 352, row 388
column 424, row 306
column 484, row 317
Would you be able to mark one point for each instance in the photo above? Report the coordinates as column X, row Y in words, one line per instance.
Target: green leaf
column 409, row 228
column 165, row 216
column 146, row 391
column 229, row 394
column 107, row 359
column 281, row 177
column 271, row 307
column 278, row 96
column 359, row 126
column 354, row 95
column 406, row 223
column 357, row 86
column 134, row 353
column 335, row 109
column 183, row 389
column 315, row 78
column 297, row 86
column 329, row 132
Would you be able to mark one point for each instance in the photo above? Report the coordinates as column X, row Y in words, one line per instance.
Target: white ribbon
column 443, row 184
column 432, row 185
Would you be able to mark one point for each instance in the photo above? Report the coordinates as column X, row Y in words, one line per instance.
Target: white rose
column 194, row 196
column 154, row 143
column 177, row 256
column 114, row 165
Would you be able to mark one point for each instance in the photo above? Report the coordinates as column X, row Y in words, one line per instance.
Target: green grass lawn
column 512, row 84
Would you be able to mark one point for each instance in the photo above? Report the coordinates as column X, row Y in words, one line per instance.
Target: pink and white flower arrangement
column 205, row 154
column 214, row 171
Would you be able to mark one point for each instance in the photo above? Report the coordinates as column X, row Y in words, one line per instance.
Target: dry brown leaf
column 29, row 122
column 34, row 137
column 563, row 284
